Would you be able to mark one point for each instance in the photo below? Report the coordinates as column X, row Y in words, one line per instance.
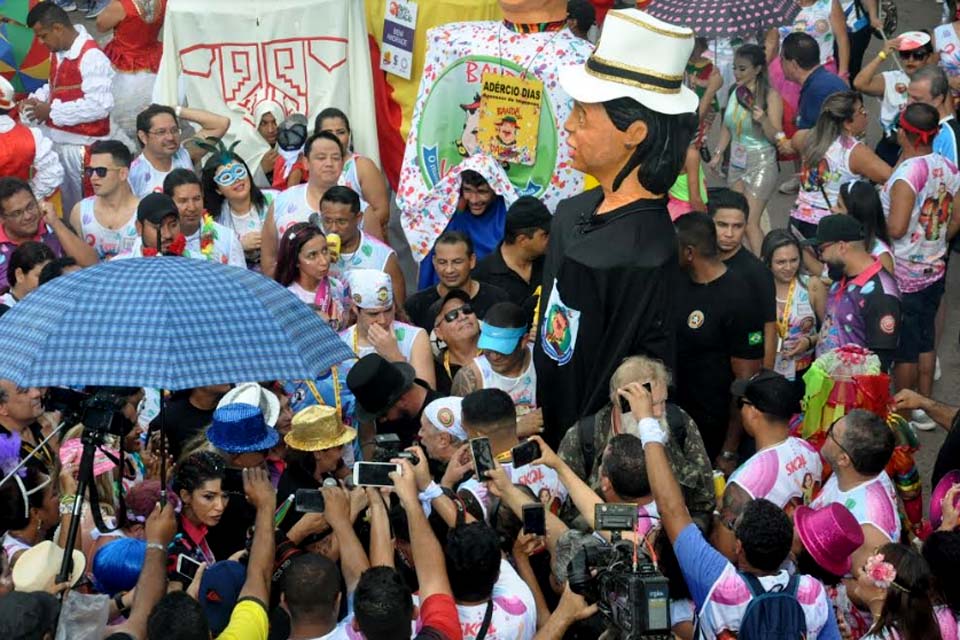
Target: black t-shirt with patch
column 605, row 297
column 762, row 287
column 715, row 322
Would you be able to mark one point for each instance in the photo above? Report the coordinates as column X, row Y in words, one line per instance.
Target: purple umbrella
column 725, row 18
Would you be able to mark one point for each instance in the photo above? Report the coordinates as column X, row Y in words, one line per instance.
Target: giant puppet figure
column 605, row 281
column 482, row 80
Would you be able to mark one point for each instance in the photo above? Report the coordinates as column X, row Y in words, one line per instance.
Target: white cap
column 253, row 394
column 7, row 98
column 445, row 414
column 370, row 288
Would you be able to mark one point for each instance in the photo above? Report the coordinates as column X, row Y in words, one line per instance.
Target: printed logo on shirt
column 888, row 324
column 695, row 319
column 755, row 338
column 561, row 324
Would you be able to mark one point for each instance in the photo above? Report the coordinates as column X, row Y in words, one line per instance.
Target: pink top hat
column 830, row 535
column 71, row 451
column 939, row 492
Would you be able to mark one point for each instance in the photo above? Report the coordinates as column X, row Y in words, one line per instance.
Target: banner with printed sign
column 399, row 29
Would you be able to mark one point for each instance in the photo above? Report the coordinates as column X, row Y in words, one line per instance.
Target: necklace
column 336, row 390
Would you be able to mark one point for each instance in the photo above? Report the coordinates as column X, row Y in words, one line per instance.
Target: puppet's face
column 528, row 11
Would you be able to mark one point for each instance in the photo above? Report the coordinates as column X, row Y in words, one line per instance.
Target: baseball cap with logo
column 837, row 228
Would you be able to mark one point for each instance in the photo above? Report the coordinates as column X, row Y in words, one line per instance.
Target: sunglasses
column 230, row 174
column 453, row 314
column 913, row 55
column 100, row 171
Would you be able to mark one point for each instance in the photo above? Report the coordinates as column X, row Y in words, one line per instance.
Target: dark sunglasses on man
column 100, row 171
column 453, row 314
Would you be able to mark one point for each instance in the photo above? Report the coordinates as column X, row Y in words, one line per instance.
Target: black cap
column 837, row 228
column 377, row 384
column 453, row 294
column 155, row 207
column 526, row 213
column 770, row 393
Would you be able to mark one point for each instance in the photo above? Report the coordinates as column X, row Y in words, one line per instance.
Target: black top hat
column 377, row 384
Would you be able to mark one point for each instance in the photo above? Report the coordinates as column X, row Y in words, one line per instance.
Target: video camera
column 621, row 578
column 387, row 446
column 94, row 407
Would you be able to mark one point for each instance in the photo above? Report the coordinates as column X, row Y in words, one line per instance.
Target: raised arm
column 211, row 126
column 427, row 554
column 73, row 245
column 381, row 543
column 261, row 494
column 353, row 558
column 269, row 241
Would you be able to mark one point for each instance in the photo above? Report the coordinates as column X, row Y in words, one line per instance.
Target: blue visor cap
column 500, row 339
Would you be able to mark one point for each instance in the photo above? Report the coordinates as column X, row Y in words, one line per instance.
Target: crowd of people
column 751, row 395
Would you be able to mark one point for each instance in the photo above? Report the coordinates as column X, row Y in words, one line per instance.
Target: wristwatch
column 729, row 455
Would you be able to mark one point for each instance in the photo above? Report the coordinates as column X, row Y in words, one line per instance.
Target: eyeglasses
column 820, row 248
column 913, row 55
column 161, row 133
column 834, row 438
column 32, row 208
column 453, row 314
column 100, row 171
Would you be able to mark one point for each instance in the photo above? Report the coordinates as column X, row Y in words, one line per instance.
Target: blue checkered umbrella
column 169, row 323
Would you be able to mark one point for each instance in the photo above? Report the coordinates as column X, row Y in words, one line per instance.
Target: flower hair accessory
column 881, row 573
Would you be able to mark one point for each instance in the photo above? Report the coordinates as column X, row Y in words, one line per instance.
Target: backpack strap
column 586, row 431
column 793, row 585
column 677, row 425
column 753, row 583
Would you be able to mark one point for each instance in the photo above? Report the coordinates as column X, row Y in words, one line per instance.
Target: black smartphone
column 625, row 403
column 187, row 566
column 482, row 457
column 534, row 519
column 525, row 453
column 374, row 474
column 308, row 501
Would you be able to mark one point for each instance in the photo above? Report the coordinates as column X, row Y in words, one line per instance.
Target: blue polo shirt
column 818, row 86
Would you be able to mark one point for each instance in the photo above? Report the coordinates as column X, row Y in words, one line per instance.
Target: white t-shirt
column 791, row 470
column 894, row 98
column 514, row 610
column 145, row 179
column 873, row 502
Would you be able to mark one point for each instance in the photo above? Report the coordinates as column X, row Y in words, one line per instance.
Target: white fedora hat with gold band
column 638, row 57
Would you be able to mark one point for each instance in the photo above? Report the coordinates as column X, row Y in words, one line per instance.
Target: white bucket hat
column 252, row 393
column 638, row 57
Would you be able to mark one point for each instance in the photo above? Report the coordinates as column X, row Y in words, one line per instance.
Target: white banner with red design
column 228, row 56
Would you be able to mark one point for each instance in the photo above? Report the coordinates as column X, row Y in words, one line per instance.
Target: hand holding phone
column 482, row 457
column 309, row 501
column 374, row 474
column 534, row 519
column 525, row 453
column 187, row 566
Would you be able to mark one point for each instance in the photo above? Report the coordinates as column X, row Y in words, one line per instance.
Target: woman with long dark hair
column 303, row 267
column 897, row 586
column 751, row 124
column 23, row 270
column 798, row 297
column 860, row 199
column 230, row 195
column 831, row 154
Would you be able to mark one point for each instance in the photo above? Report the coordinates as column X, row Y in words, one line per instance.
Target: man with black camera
column 721, row 591
column 584, row 444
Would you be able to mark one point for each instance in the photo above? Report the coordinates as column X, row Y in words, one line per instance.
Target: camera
column 387, row 446
column 95, row 408
column 630, row 592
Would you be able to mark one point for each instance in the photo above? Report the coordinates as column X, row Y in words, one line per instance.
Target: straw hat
column 38, row 566
column 7, row 95
column 318, row 427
